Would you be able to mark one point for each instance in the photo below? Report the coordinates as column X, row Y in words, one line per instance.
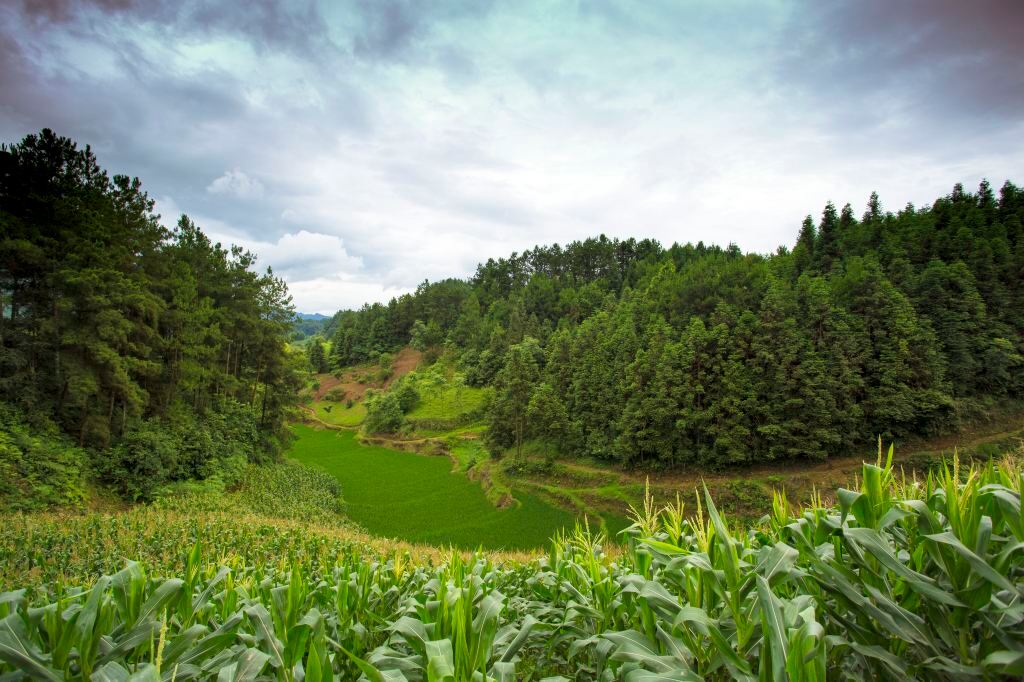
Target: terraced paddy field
column 419, row 499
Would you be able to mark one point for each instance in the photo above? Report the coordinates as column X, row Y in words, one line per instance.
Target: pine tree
column 803, row 252
column 826, row 247
column 647, row 425
column 317, row 358
column 509, row 411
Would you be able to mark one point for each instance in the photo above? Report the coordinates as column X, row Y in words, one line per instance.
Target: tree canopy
column 112, row 325
column 893, row 325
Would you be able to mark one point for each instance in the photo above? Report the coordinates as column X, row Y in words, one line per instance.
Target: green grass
column 339, row 415
column 468, row 452
column 477, row 428
column 418, row 498
column 449, row 402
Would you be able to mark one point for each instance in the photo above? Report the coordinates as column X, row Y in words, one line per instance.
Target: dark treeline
column 893, row 324
column 164, row 353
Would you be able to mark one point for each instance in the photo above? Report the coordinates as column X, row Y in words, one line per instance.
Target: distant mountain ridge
column 311, row 316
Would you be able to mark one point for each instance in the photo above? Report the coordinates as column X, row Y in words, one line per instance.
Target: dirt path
column 828, row 470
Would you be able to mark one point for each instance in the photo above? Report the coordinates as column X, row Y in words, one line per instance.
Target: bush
column 335, row 395
column 407, row 395
column 144, row 460
column 383, row 413
column 219, row 445
column 37, row 469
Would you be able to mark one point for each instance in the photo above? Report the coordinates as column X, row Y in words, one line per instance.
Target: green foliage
column 894, row 324
column 383, row 413
column 38, row 468
column 445, row 400
column 220, row 445
column 423, row 337
column 902, row 579
column 515, row 383
column 335, row 395
column 317, row 356
column 407, row 395
column 109, row 320
column 144, row 460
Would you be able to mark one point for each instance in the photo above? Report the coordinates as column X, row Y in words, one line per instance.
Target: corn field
column 918, row 579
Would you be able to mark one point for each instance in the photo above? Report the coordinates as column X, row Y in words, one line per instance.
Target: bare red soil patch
column 405, row 361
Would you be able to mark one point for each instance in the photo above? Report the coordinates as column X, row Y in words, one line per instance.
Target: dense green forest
column 141, row 354
column 894, row 324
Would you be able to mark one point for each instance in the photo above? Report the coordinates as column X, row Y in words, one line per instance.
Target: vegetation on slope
column 904, row 579
column 161, row 353
column 895, row 324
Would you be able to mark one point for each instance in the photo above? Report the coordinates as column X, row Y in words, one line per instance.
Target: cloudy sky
column 361, row 147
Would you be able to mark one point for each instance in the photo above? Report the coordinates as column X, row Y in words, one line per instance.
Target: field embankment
column 747, row 491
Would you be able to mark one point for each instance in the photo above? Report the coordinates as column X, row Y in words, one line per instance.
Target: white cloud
column 328, row 295
column 364, row 176
column 236, row 183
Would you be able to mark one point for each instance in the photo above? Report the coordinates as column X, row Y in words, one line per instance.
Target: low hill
column 902, row 324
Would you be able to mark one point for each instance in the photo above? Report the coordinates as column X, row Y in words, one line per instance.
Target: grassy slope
column 449, row 403
column 420, row 499
column 339, row 414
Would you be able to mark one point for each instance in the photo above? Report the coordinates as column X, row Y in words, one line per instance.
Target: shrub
column 335, row 395
column 407, row 395
column 383, row 413
column 219, row 445
column 144, row 460
column 37, row 470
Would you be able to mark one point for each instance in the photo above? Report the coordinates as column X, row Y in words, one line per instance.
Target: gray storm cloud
column 361, row 147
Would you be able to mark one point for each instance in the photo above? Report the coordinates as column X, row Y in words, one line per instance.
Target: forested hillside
column 160, row 353
column 891, row 324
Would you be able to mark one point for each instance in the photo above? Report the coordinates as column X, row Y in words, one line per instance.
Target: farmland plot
column 419, row 498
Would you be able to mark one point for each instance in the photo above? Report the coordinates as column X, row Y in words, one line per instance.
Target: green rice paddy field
column 419, row 499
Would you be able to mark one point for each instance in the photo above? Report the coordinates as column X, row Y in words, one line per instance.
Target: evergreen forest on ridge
column 893, row 324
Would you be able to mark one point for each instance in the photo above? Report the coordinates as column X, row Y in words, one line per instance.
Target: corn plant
column 901, row 579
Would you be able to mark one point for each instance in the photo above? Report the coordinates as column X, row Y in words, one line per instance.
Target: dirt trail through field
column 844, row 466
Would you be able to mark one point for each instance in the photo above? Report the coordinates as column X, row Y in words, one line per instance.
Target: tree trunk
column 81, row 430
column 256, row 384
column 63, row 397
column 263, row 413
